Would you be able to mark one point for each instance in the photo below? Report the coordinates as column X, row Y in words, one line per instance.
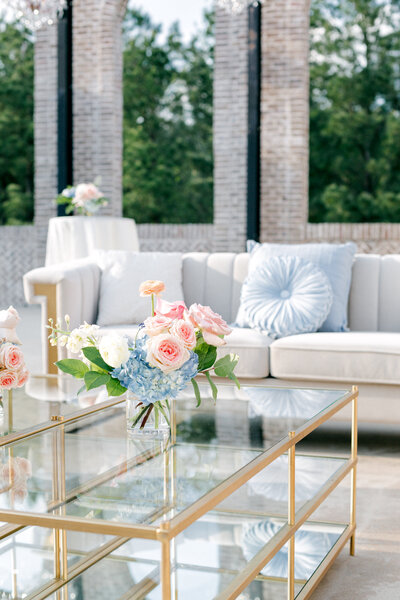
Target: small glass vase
column 148, row 422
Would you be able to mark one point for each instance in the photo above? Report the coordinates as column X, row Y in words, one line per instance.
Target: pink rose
column 25, row 466
column 173, row 310
column 212, row 325
column 11, row 357
column 85, row 192
column 185, row 332
column 8, row 321
column 156, row 325
column 8, row 379
column 166, row 352
column 23, row 376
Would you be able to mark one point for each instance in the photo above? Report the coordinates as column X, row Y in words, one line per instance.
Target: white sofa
column 368, row 355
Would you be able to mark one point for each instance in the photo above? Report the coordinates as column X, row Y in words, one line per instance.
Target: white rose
column 114, row 350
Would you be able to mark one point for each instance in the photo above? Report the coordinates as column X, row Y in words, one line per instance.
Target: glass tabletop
column 41, row 399
column 92, row 470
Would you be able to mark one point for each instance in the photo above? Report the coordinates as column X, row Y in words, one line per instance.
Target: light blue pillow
column 286, row 295
column 335, row 260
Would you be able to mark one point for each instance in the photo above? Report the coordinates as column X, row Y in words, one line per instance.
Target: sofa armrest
column 67, row 288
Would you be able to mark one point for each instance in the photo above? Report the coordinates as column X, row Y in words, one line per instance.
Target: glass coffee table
column 224, row 511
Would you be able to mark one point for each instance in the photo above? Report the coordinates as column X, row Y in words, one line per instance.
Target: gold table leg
column 166, row 569
column 291, row 515
column 354, row 443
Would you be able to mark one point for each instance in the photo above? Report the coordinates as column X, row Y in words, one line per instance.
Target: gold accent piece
column 354, row 444
column 50, row 293
column 291, row 513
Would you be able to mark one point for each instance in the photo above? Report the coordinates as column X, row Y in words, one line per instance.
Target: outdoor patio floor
column 374, row 573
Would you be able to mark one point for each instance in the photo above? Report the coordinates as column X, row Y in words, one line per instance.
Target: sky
column 187, row 12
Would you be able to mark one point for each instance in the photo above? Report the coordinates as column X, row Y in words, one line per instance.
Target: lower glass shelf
column 207, row 557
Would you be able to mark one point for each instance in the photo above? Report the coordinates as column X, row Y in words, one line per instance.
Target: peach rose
column 166, row 352
column 156, row 325
column 9, row 319
column 23, row 377
column 151, row 286
column 212, row 325
column 8, row 379
column 185, row 332
column 173, row 310
column 11, row 356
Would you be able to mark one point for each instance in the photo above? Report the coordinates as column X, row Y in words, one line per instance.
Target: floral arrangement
column 13, row 371
column 85, row 199
column 171, row 348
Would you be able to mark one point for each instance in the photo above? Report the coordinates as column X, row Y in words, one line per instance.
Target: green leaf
column 114, row 387
column 73, row 367
column 225, row 366
column 94, row 379
column 213, row 387
column 196, row 392
column 207, row 355
column 92, row 354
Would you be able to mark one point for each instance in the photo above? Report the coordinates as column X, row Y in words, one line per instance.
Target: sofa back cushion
column 374, row 302
column 215, row 280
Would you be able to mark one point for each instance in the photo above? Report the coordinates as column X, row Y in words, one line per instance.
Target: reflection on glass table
column 44, row 398
column 209, row 554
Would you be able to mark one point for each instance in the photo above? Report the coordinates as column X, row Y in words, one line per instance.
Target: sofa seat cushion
column 251, row 346
column 350, row 357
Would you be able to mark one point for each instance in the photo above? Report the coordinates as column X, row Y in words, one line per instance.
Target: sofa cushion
column 351, row 357
column 123, row 272
column 251, row 346
column 286, row 295
column 335, row 260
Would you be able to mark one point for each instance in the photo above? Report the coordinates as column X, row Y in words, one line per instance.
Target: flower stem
column 152, row 305
column 143, row 423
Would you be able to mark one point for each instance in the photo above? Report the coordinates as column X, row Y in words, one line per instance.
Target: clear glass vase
column 148, row 422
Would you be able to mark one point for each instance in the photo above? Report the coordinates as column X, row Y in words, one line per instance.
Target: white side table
column 70, row 238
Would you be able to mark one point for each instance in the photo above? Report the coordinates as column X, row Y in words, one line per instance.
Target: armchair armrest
column 67, row 288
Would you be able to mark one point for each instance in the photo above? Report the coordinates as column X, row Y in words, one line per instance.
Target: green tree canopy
column 355, row 111
column 168, row 102
column 16, row 124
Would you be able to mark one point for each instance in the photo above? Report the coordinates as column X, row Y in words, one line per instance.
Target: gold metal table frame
column 169, row 528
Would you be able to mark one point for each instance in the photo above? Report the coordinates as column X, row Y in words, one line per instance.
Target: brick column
column 230, row 132
column 97, row 73
column 46, row 120
column 284, row 120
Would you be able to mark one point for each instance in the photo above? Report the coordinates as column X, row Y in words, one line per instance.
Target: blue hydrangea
column 150, row 384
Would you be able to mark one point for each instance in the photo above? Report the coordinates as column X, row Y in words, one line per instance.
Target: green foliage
column 114, row 388
column 16, row 124
column 355, row 111
column 207, row 355
column 93, row 354
column 225, row 367
column 73, row 367
column 93, row 379
column 168, row 102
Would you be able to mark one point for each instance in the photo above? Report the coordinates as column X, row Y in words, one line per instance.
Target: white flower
column 114, row 350
column 63, row 340
column 83, row 336
column 76, row 341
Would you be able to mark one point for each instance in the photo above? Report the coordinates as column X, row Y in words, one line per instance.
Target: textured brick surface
column 230, row 132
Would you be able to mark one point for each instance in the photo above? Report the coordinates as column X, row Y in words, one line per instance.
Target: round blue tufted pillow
column 286, row 295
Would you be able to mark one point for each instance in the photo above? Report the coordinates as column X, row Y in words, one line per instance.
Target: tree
column 168, row 160
column 355, row 111
column 16, row 124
